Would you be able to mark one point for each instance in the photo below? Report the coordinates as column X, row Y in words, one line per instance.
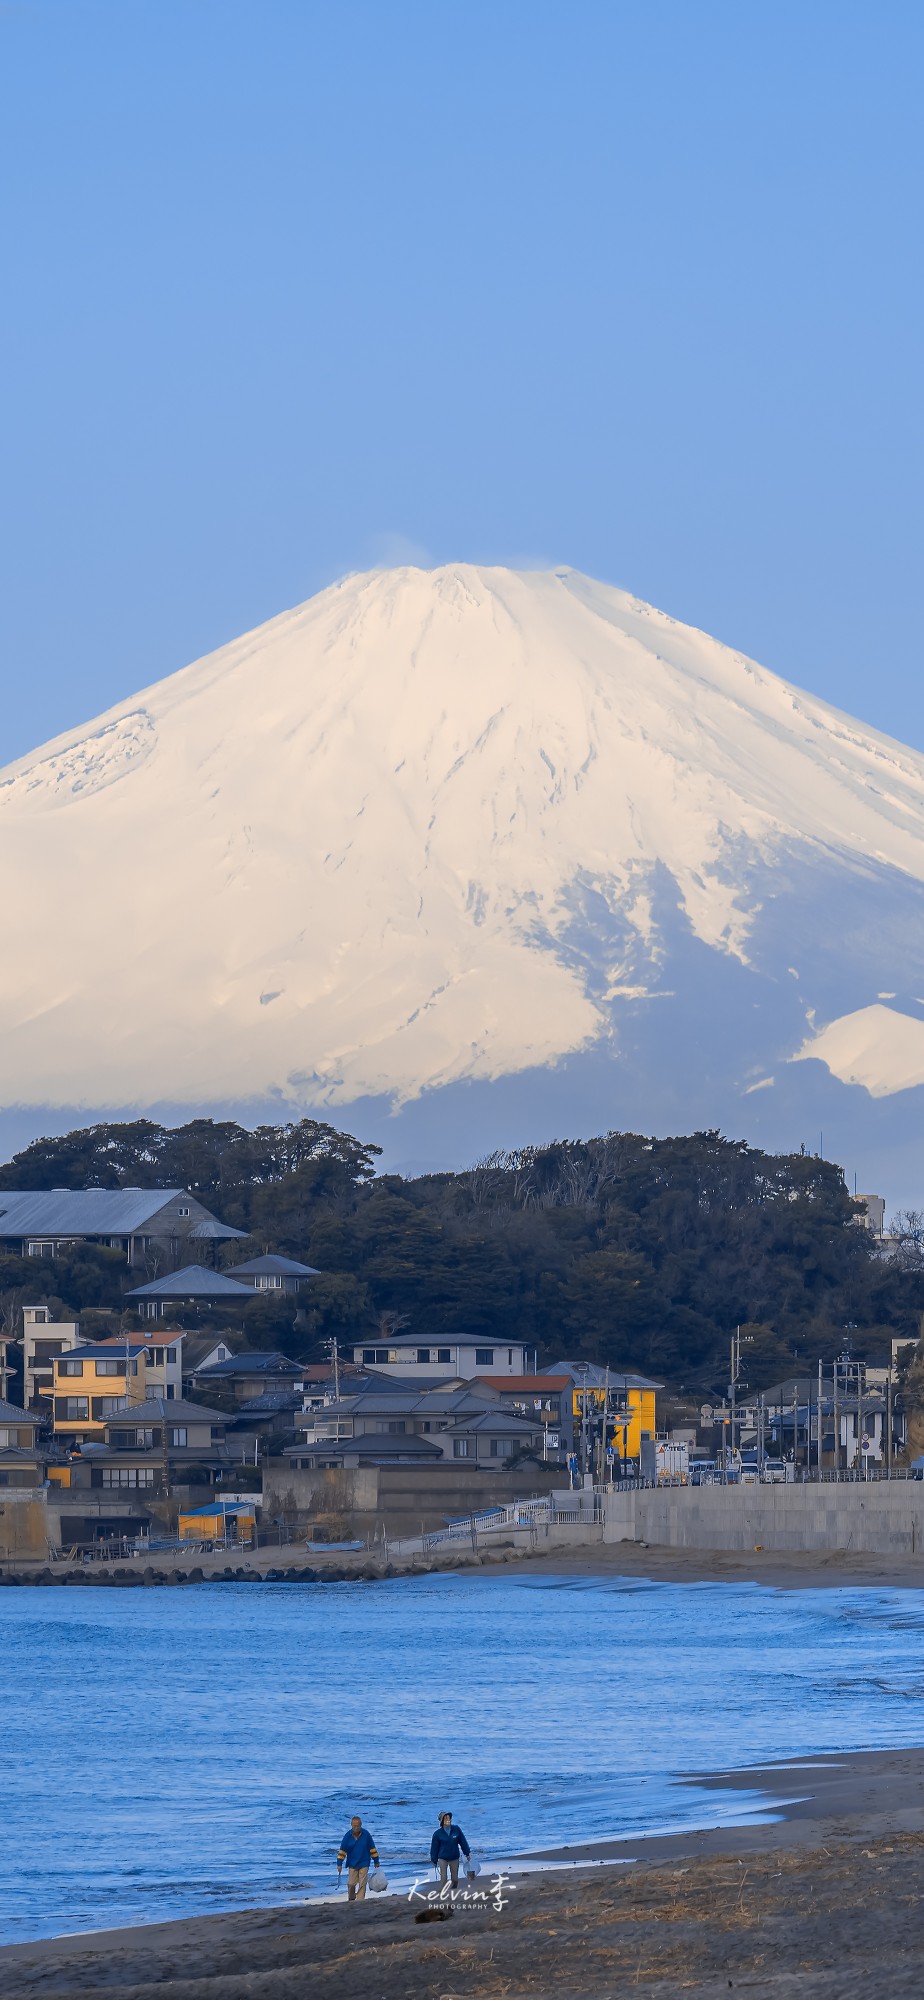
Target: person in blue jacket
column 357, row 1849
column 445, row 1846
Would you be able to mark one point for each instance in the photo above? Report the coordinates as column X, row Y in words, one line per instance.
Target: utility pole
column 889, row 1422
column 336, row 1361
column 165, row 1447
column 735, row 1358
column 820, row 1392
column 837, row 1428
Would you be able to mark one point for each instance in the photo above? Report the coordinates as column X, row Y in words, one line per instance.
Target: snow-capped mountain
column 497, row 854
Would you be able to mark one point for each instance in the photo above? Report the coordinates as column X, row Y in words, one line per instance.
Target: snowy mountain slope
column 460, row 824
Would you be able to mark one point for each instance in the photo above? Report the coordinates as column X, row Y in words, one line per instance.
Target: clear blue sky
column 293, row 288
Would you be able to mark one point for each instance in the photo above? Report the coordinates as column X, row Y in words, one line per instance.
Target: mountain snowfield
column 438, row 830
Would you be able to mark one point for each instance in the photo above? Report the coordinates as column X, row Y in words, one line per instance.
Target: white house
column 410, row 1357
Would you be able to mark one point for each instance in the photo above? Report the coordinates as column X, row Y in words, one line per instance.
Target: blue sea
column 171, row 1751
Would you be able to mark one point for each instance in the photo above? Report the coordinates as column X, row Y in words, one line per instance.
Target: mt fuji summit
column 468, row 856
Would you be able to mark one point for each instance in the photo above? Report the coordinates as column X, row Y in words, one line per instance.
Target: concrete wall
column 23, row 1524
column 356, row 1500
column 884, row 1518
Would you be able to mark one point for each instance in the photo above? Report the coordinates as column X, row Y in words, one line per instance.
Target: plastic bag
column 378, row 1881
column 471, row 1866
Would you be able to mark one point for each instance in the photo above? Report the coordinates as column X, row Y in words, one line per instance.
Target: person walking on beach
column 444, row 1849
column 357, row 1849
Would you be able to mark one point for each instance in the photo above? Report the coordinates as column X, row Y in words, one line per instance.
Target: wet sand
column 814, row 1569
column 829, row 1902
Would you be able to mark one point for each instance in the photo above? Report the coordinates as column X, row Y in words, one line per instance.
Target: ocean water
column 172, row 1751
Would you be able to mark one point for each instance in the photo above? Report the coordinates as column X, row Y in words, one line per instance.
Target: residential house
column 21, row 1464
column 205, row 1350
column 43, row 1338
column 164, row 1363
column 91, row 1382
column 154, row 1447
column 408, row 1356
column 610, row 1410
column 456, row 1421
column 137, row 1221
column 546, row 1398
column 273, row 1274
column 243, row 1376
column 367, row 1448
column 267, row 1422
column 487, row 1436
column 194, row 1285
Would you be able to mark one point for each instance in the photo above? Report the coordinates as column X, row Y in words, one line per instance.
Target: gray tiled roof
column 213, row 1231
column 10, row 1413
column 258, row 1363
column 595, row 1376
column 86, row 1211
column 173, row 1409
column 273, row 1266
column 192, row 1282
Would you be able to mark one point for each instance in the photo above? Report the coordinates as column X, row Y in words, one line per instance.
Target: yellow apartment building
column 626, row 1402
column 91, row 1383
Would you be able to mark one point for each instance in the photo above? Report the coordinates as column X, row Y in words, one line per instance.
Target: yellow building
column 221, row 1521
column 91, row 1383
column 620, row 1409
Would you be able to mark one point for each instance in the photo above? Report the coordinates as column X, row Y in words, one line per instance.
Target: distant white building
column 874, row 1217
column 410, row 1357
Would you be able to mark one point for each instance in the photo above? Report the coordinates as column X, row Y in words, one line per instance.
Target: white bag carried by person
column 471, row 1866
column 378, row 1881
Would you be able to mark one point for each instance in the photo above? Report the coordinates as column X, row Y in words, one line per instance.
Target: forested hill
column 645, row 1253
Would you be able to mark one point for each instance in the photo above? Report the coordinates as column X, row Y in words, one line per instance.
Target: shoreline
column 852, row 1839
column 642, row 1561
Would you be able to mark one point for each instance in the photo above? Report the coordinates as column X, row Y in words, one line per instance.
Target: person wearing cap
column 357, row 1849
column 445, row 1846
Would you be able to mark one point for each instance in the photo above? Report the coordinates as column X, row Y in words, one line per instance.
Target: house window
column 110, row 1368
column 183, row 1211
column 444, row 1354
column 128, row 1475
column 40, row 1248
column 461, row 1448
column 423, row 1354
column 8, row 1438
column 178, row 1436
column 510, row 1357
column 484, row 1357
column 71, row 1367
column 72, row 1408
column 375, row 1354
column 106, row 1406
column 171, row 1355
column 271, row 1282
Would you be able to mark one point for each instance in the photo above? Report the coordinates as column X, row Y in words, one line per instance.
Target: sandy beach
column 782, row 1570
column 814, row 1569
column 827, row 1902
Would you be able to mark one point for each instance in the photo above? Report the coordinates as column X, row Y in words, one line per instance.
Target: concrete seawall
column 884, row 1518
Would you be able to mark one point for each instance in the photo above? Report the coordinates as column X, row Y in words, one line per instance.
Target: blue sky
column 294, row 288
